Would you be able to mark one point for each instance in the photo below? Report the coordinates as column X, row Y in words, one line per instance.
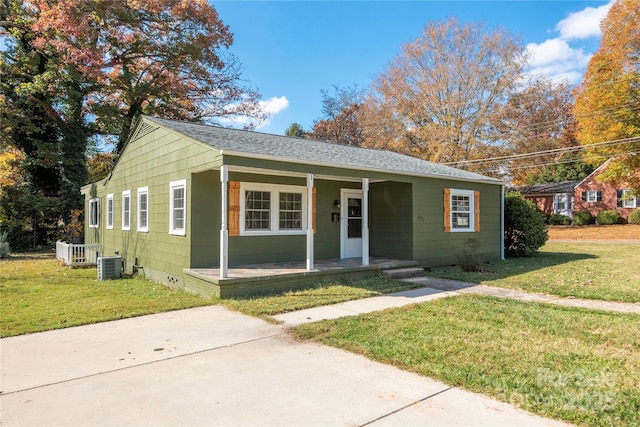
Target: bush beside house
column 634, row 217
column 583, row 218
column 608, row 217
column 559, row 219
column 525, row 230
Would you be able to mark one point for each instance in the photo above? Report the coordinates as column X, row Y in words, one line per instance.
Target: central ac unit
column 109, row 267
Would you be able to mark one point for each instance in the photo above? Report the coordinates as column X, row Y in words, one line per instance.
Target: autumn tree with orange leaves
column 437, row 99
column 74, row 71
column 607, row 103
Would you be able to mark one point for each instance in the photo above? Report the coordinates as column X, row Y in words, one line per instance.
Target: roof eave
column 492, row 181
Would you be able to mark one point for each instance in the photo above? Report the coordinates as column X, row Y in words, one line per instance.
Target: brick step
column 404, row 273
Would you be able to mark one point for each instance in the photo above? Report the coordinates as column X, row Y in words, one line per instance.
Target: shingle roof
column 298, row 150
column 548, row 188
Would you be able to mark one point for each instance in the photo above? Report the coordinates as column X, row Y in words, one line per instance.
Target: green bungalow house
column 226, row 212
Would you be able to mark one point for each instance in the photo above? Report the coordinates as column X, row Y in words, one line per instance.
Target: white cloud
column 271, row 106
column 558, row 58
column 584, row 23
column 274, row 105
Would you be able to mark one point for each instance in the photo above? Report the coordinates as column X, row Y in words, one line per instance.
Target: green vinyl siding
column 243, row 250
column 432, row 246
column 390, row 225
column 152, row 161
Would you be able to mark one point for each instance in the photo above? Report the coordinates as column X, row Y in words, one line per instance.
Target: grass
column 586, row 270
column 321, row 294
column 572, row 364
column 38, row 294
column 618, row 232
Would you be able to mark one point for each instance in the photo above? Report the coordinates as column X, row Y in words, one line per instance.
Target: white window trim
column 96, row 209
column 471, row 195
column 126, row 215
column 275, row 190
column 593, row 193
column 140, row 192
column 109, row 225
column 172, row 186
column 631, row 203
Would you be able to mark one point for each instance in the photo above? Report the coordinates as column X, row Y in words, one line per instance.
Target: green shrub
column 559, row 219
column 634, row 217
column 524, row 227
column 583, row 218
column 467, row 258
column 608, row 217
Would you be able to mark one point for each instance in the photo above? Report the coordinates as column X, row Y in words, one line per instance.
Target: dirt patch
column 618, row 232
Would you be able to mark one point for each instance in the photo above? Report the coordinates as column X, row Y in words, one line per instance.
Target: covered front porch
column 283, row 276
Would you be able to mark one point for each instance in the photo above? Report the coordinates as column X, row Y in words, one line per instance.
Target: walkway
column 435, row 288
column 210, row 366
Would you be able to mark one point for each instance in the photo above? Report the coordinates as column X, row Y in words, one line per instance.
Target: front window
column 562, row 203
column 110, row 211
column 126, row 210
column 627, row 200
column 291, row 211
column 94, row 213
column 143, row 209
column 462, row 210
column 593, row 196
column 272, row 209
column 257, row 210
column 178, row 207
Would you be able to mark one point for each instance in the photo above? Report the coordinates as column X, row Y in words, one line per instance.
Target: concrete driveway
column 210, row 366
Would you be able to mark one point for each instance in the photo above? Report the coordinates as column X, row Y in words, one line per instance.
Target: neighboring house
column 220, row 211
column 595, row 196
column 552, row 197
column 587, row 195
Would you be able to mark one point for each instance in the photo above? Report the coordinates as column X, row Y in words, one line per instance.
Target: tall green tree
column 570, row 167
column 30, row 90
column 607, row 101
column 295, row 129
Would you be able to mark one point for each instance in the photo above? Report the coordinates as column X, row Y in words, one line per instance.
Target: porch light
column 336, row 204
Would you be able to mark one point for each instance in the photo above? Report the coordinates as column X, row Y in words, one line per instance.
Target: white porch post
column 224, row 229
column 365, row 221
column 309, row 222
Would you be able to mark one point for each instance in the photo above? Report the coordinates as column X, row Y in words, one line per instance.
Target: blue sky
column 292, row 49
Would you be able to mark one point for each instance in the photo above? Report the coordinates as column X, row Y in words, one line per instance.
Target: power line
column 546, row 152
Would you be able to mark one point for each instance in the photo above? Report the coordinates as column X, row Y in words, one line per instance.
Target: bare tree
column 340, row 124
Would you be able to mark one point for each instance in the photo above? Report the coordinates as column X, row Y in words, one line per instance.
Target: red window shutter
column 313, row 211
column 447, row 210
column 234, row 208
column 476, row 210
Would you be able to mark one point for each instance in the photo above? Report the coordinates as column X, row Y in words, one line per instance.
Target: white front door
column 351, row 223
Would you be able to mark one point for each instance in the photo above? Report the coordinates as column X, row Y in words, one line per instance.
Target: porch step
column 404, row 273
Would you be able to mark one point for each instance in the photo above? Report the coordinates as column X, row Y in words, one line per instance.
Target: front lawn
column 603, row 271
column 572, row 364
column 38, row 294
